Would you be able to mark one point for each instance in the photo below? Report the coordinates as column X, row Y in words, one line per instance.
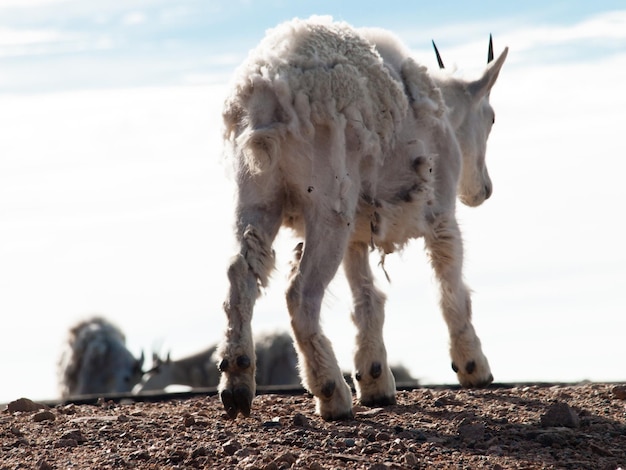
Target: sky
column 114, row 198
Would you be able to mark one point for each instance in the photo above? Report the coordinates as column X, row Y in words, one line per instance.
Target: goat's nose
column 488, row 191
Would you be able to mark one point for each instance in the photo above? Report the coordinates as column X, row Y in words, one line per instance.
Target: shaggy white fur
column 95, row 360
column 342, row 136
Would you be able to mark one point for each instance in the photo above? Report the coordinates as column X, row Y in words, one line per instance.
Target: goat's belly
column 389, row 227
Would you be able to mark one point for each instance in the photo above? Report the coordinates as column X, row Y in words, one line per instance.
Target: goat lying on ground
column 95, row 360
column 276, row 365
column 340, row 135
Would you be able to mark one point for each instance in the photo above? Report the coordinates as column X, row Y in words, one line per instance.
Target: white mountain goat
column 340, row 135
column 95, row 360
column 277, row 364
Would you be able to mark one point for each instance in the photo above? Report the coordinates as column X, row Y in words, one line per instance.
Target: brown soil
column 502, row 427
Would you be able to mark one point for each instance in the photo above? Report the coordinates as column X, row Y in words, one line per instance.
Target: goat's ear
column 481, row 87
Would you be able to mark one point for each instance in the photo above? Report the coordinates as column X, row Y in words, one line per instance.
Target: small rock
column 560, row 414
column 410, row 459
column 274, row 423
column 76, row 435
column 43, row 465
column 289, row 458
column 123, row 418
column 24, row 404
column 300, row 420
column 140, row 455
column 472, row 432
column 230, row 447
column 177, row 455
column 349, row 442
column 383, row 436
column 45, row 415
column 69, row 409
column 371, row 412
column 65, row 443
column 551, row 438
column 378, row 466
column 619, row 392
column 189, row 420
column 199, row 452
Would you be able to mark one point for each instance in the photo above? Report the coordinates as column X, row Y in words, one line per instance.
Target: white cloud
column 134, row 18
column 28, row 3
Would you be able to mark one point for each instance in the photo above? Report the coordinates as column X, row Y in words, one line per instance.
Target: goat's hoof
column 382, row 400
column 334, row 401
column 338, row 417
column 473, row 375
column 237, row 400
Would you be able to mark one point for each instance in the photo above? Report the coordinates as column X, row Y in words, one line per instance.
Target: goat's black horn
column 490, row 53
column 439, row 61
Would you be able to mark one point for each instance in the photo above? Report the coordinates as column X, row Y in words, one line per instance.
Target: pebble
column 560, row 414
column 619, row 391
column 75, row 435
column 24, row 404
column 66, row 443
column 231, row 447
column 410, row 459
column 43, row 465
column 472, row 432
column 350, row 442
column 300, row 420
column 44, row 416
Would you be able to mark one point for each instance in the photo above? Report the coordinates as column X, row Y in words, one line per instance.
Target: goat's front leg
column 373, row 380
column 446, row 251
column 248, row 270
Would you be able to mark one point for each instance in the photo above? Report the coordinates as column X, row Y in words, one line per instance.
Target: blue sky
column 54, row 44
column 113, row 198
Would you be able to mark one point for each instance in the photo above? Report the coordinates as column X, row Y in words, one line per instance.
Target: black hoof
column 379, row 401
column 238, row 400
column 485, row 383
column 376, row 370
column 340, row 417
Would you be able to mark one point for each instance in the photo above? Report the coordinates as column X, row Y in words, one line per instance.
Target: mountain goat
column 340, row 135
column 95, row 360
column 277, row 364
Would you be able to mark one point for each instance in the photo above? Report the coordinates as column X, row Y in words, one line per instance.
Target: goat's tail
column 260, row 148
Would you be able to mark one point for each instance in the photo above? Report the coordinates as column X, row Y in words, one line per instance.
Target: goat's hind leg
column 313, row 270
column 248, row 271
column 446, row 252
column 373, row 379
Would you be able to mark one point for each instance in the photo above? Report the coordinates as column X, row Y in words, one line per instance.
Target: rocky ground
column 502, row 427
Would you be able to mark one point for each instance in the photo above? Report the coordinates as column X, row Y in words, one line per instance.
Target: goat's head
column 119, row 375
column 472, row 117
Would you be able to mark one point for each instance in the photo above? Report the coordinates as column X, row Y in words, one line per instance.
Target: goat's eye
column 493, row 120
